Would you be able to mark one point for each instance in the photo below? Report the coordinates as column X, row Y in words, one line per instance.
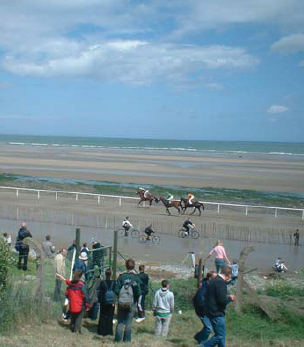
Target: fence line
column 120, row 198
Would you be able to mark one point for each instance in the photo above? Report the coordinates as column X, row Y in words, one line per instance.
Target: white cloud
column 274, row 109
column 289, row 44
column 128, row 61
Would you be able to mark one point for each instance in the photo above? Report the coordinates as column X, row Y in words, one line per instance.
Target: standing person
column 128, row 290
column 187, row 225
column 97, row 254
column 144, row 286
column 106, row 299
column 85, row 248
column 82, row 264
column 48, row 247
column 78, row 300
column 200, row 309
column 126, row 225
column 220, row 256
column 71, row 250
column 21, row 247
column 216, row 302
column 163, row 306
column 59, row 268
column 296, row 237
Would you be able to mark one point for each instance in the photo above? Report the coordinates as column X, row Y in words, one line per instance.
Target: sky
column 206, row 70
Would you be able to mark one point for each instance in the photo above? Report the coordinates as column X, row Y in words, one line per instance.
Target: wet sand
column 253, row 171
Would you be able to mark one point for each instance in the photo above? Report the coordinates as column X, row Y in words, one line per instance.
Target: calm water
column 183, row 146
column 171, row 250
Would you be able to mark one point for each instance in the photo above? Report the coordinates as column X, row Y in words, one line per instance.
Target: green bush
column 6, row 260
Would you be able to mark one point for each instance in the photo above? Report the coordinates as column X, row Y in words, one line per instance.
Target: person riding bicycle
column 126, row 225
column 169, row 197
column 190, row 197
column 149, row 231
column 187, row 226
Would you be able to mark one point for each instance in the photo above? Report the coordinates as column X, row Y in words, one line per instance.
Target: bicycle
column 125, row 233
column 192, row 233
column 155, row 239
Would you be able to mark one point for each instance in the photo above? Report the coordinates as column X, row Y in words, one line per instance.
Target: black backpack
column 109, row 296
column 198, row 301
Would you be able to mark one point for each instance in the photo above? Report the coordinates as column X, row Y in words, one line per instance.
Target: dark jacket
column 216, row 298
column 131, row 275
column 144, row 282
column 77, row 294
column 22, row 234
column 199, row 299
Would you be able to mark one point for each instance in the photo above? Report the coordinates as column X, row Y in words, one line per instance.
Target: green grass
column 284, row 291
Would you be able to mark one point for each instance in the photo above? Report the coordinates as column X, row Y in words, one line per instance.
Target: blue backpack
column 109, row 297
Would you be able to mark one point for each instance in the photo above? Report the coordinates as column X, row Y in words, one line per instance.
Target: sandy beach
column 255, row 172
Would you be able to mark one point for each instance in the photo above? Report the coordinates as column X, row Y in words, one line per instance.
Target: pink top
column 219, row 252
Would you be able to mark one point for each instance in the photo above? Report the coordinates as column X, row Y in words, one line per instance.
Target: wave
column 157, row 148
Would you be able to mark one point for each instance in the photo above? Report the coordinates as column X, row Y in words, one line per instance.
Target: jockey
column 190, row 198
column 146, row 191
column 169, row 197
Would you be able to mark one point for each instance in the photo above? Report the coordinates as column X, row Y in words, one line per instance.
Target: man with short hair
column 59, row 268
column 187, row 225
column 126, row 287
column 22, row 247
column 162, row 307
column 144, row 282
column 48, row 247
column 216, row 302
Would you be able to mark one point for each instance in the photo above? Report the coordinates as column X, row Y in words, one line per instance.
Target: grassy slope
column 248, row 329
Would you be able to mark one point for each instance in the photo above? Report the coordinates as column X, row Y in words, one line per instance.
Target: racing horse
column 196, row 204
column 169, row 204
column 142, row 198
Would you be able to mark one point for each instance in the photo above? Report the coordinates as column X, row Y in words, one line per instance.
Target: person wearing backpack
column 163, row 306
column 200, row 309
column 106, row 299
column 127, row 289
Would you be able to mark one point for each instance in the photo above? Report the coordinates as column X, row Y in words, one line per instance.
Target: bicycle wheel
column 134, row 233
column 142, row 239
column 181, row 233
column 156, row 239
column 195, row 234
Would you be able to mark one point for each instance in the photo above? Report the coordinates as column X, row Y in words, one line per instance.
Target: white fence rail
column 246, row 208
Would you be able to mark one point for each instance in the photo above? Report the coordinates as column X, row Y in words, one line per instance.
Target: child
column 234, row 272
column 163, row 306
column 78, row 300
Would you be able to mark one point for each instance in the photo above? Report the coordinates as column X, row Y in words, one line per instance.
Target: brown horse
column 168, row 204
column 142, row 198
column 195, row 204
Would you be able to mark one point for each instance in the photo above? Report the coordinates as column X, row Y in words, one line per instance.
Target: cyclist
column 187, row 226
column 190, row 197
column 149, row 231
column 126, row 225
column 169, row 197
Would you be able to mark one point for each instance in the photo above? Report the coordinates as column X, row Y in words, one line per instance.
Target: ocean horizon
column 195, row 147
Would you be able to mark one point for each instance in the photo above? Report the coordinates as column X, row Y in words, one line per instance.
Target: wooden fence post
column 240, row 281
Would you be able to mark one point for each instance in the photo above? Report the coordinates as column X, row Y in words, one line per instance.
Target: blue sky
column 209, row 69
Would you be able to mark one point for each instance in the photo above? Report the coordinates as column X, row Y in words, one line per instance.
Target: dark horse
column 195, row 204
column 169, row 204
column 142, row 198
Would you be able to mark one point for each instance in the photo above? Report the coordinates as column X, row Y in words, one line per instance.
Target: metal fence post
column 78, row 232
column 115, row 254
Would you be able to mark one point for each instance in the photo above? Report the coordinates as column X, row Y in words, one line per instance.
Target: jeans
column 105, row 324
column 219, row 327
column 124, row 317
column 76, row 322
column 219, row 264
column 57, row 291
column 162, row 326
column 23, row 255
column 203, row 335
column 141, row 306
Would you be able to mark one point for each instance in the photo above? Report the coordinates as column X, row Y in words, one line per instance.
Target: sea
column 161, row 146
